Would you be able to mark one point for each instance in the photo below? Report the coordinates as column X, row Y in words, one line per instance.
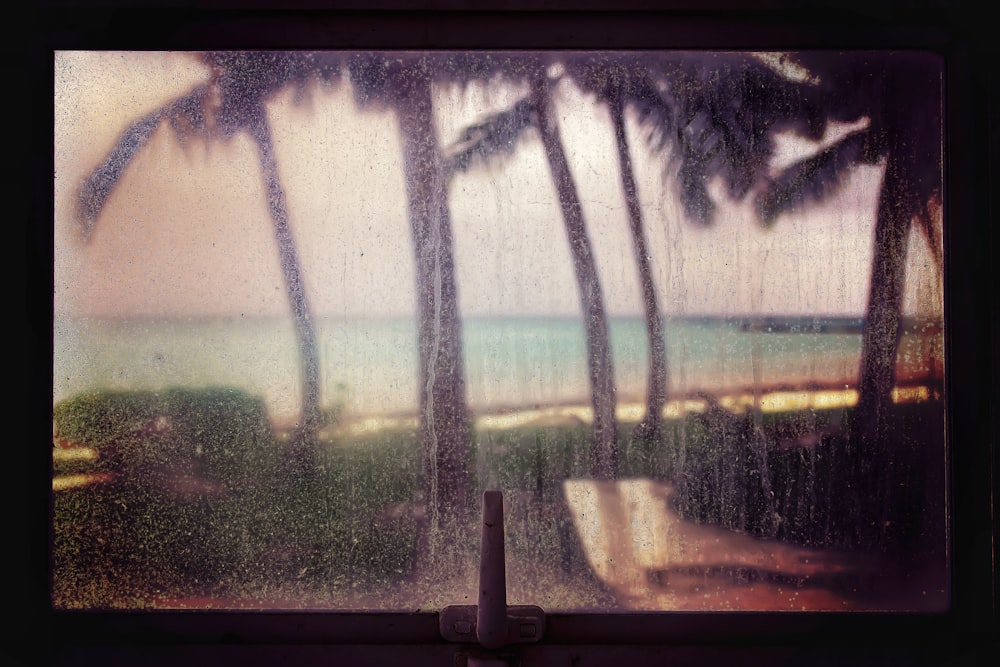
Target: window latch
column 492, row 623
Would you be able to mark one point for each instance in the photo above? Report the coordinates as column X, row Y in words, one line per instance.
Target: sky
column 186, row 232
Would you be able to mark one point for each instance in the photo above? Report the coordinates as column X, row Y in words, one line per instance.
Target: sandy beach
column 774, row 399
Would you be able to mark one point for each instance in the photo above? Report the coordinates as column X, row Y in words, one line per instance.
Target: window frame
column 78, row 636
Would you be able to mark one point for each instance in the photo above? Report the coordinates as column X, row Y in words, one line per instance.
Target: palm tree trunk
column 880, row 338
column 903, row 196
column 303, row 441
column 656, row 391
column 909, row 127
column 869, row 430
column 604, row 463
column 444, row 419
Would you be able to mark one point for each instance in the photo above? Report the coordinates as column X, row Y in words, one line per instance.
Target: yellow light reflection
column 63, row 482
column 74, row 454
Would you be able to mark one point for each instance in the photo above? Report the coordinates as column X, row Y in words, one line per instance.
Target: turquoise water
column 370, row 365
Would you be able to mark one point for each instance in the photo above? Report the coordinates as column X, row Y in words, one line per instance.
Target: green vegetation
column 201, row 500
column 202, row 503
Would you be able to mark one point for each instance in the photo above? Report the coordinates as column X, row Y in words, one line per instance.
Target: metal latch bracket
column 492, row 623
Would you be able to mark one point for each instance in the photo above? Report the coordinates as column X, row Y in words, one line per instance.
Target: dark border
column 967, row 629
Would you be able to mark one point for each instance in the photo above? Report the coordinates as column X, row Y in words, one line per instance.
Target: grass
column 201, row 503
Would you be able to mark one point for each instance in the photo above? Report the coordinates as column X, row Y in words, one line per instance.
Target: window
column 320, row 300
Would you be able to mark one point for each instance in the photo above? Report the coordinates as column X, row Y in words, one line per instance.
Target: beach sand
column 781, row 398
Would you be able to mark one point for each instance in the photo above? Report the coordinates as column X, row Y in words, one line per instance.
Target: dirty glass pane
column 684, row 310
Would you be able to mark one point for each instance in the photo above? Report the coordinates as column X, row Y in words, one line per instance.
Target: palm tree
column 706, row 116
column 726, row 110
column 499, row 134
column 605, row 454
column 703, row 113
column 656, row 392
column 900, row 95
column 232, row 102
column 404, row 84
column 618, row 81
column 725, row 126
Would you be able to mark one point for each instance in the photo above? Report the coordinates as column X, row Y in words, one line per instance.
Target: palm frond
column 248, row 78
column 714, row 116
column 97, row 186
column 655, row 114
column 497, row 136
column 378, row 78
column 184, row 114
column 242, row 79
column 811, row 179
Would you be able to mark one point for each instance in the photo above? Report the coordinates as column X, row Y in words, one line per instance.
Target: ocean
column 369, row 366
